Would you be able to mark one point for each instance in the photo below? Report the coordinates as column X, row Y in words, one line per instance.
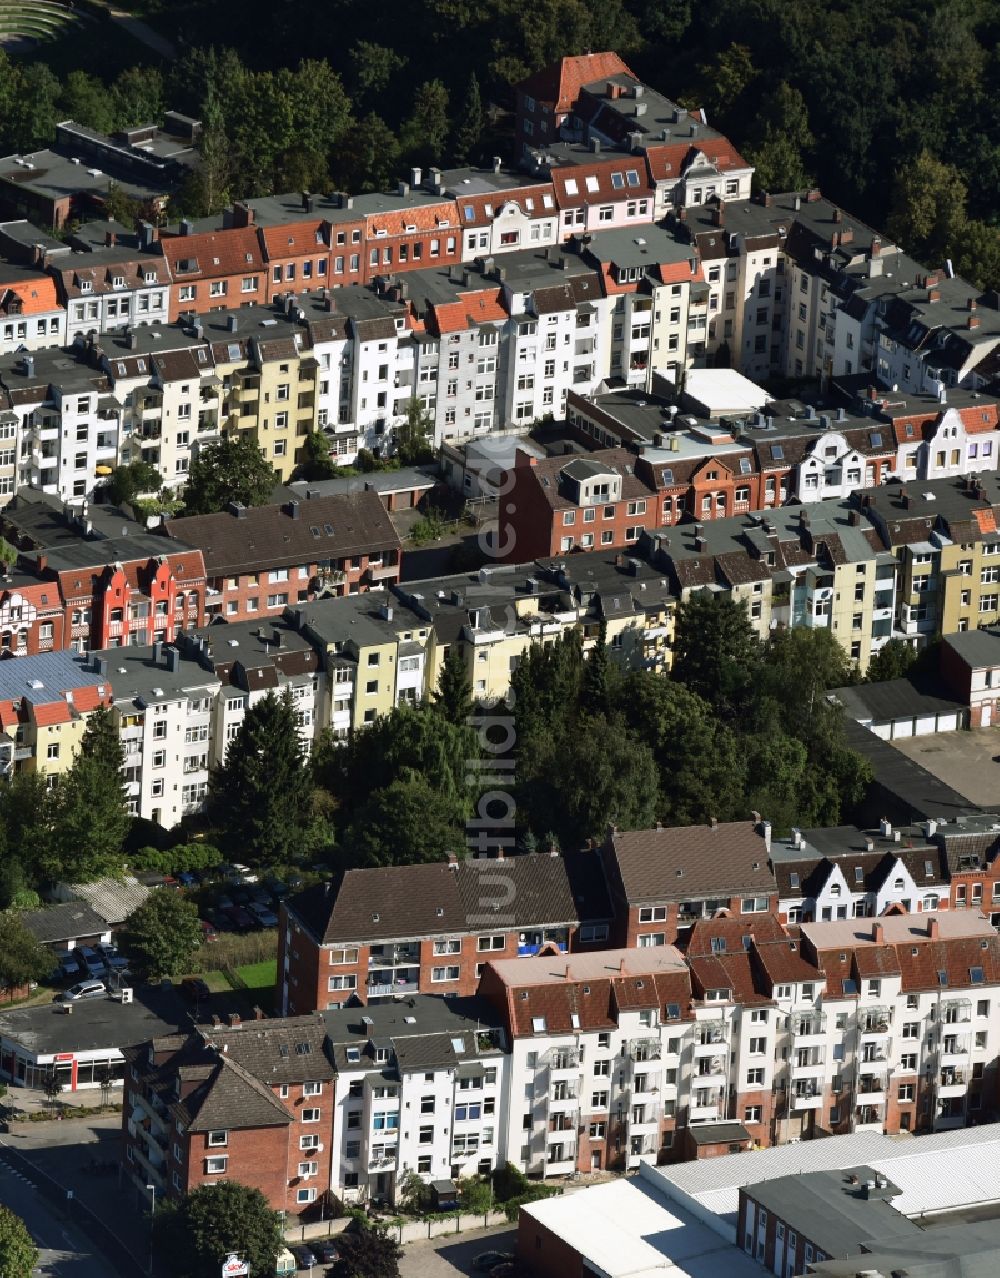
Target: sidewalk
column 32, row 1101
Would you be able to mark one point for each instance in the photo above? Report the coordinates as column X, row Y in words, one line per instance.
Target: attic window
column 777, row 452
column 850, row 985
column 458, row 1046
column 876, row 439
column 586, row 989
column 639, row 985
column 538, row 1024
column 942, row 977
column 303, row 1049
column 909, row 430
column 859, row 874
column 283, row 1049
column 929, row 869
column 718, row 945
column 672, row 1012
column 793, row 879
column 524, row 996
column 353, row 1055
column 375, row 918
column 574, row 1020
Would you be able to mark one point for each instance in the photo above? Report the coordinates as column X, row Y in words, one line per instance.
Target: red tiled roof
column 955, row 957
column 36, row 295
column 88, row 698
column 600, row 171
column 213, row 254
column 297, row 239
column 51, row 713
column 986, row 519
column 561, row 83
column 422, row 217
column 980, row 419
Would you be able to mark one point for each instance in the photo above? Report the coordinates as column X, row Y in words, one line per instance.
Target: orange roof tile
column 422, row 217
column 88, row 698
column 51, row 713
column 294, row 240
column 8, row 715
column 986, row 519
column 979, row 419
column 561, row 83
column 36, row 295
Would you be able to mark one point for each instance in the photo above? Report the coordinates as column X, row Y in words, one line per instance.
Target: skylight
column 458, row 1046
column 976, row 975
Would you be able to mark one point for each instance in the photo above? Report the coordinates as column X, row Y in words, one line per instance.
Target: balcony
column 380, row 572
column 807, row 1095
column 954, row 1048
column 393, row 956
column 562, row 1062
column 710, row 1036
column 563, row 1098
column 711, row 1066
column 874, row 1062
column 956, row 1011
column 644, row 1049
column 873, row 1021
column 808, row 1062
column 954, row 1082
column 705, row 1108
column 529, row 943
column 644, row 1118
column 809, row 1026
column 382, row 1160
column 870, row 1118
column 871, row 1089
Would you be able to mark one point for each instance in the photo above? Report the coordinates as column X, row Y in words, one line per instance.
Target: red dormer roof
column 560, row 84
column 51, row 713
column 297, row 239
column 601, row 181
column 485, row 306
column 411, row 220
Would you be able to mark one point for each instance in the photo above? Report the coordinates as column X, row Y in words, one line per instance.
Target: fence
column 112, row 1247
column 404, row 1231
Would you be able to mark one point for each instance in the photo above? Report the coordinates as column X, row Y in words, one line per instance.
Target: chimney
column 234, row 1020
column 258, row 1013
column 404, row 188
column 173, row 660
column 838, row 215
column 933, row 295
column 293, row 509
column 186, row 226
column 613, row 90
column 854, row 518
column 713, row 822
column 876, row 248
column 933, row 930
column 307, row 202
column 719, row 214
column 878, row 933
column 971, row 304
column 973, row 321
column 416, row 177
column 110, row 239
column 595, row 145
column 233, row 323
column 453, row 860
column 621, row 967
column 766, row 199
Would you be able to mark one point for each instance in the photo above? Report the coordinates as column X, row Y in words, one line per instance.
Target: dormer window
column 85, row 286
column 118, row 281
column 150, row 277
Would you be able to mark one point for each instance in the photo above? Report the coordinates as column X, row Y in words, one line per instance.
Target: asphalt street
column 65, row 1252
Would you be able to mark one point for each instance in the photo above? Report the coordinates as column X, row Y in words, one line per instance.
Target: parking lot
column 450, row 1256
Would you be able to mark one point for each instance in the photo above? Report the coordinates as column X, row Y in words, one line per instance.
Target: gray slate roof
column 699, row 860
column 64, row 922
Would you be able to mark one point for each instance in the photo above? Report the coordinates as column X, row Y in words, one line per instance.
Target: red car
column 208, row 932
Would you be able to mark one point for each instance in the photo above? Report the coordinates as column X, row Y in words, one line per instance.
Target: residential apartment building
column 250, row 1101
column 264, row 559
column 421, row 1087
column 663, row 880
column 370, row 935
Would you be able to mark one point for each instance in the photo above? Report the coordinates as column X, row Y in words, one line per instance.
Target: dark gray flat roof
column 94, row 1023
column 899, row 698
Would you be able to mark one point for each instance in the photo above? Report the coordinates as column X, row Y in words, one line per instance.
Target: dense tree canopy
column 231, row 470
column 18, row 1253
column 198, row 1232
column 163, row 933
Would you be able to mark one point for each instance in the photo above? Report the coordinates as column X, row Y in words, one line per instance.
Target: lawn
column 259, row 976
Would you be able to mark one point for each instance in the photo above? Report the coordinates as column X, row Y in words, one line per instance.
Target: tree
column 716, row 652
column 600, row 682
column 137, row 97
column 424, row 135
column 126, row 482
column 316, row 461
column 928, row 206
column 374, row 67
column 8, row 553
column 892, row 661
column 367, row 156
column 976, row 249
column 231, row 470
column 476, row 1193
column 90, row 808
column 214, row 1220
column 785, row 139
column 163, row 933
column 367, row 1252
column 469, row 126
column 453, row 697
column 412, row 435
column 85, row 99
column 409, row 821
column 22, row 957
column 261, row 796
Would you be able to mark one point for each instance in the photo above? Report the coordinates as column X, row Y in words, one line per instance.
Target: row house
column 213, row 270
column 663, row 880
column 421, row 1089
column 249, row 1102
column 845, row 872
column 108, row 289
column 309, row 241
column 31, row 315
column 408, row 230
column 370, row 935
column 953, row 433
column 545, row 100
column 261, row 560
column 970, row 666
column 500, row 212
column 126, row 591
column 45, row 702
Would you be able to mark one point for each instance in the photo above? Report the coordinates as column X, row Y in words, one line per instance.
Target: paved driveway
column 450, row 1256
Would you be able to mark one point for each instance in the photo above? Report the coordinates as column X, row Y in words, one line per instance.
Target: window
column 444, row 973
column 310, row 1115
column 218, row 1138
column 216, row 1166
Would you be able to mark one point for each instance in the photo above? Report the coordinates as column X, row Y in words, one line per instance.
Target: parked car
column 304, row 1256
column 85, row 989
column 89, row 960
column 264, row 915
column 240, row 873
column 68, row 968
column 186, row 879
column 242, row 919
column 208, row 930
column 113, row 959
column 194, row 988
column 277, row 886
column 488, row 1260
column 327, row 1253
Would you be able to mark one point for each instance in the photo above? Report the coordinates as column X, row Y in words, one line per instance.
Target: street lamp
column 152, row 1217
